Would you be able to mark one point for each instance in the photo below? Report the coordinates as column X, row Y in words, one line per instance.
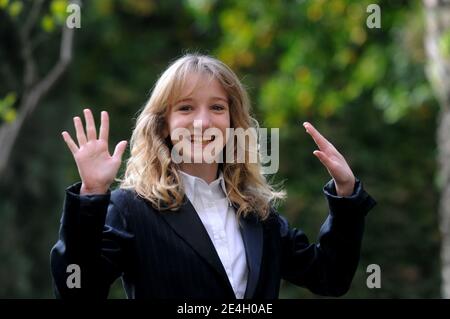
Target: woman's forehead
column 199, row 84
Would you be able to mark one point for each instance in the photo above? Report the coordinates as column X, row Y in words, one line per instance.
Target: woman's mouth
column 201, row 140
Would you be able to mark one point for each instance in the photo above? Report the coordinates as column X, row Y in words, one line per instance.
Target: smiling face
column 203, row 106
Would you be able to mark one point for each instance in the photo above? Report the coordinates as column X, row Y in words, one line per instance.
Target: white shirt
column 219, row 218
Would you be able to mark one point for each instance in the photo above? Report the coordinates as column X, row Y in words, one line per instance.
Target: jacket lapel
column 187, row 224
column 252, row 236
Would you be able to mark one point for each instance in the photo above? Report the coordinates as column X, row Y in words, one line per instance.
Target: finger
column 104, row 126
column 324, row 159
column 81, row 137
column 90, row 125
column 321, row 141
column 70, row 143
column 119, row 150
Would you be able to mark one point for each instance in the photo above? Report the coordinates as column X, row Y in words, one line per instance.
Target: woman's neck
column 207, row 172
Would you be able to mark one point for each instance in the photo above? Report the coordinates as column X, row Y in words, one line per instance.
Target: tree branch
column 43, row 86
column 33, row 91
column 26, row 47
column 31, row 19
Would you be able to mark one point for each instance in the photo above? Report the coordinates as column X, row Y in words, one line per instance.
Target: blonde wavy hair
column 150, row 170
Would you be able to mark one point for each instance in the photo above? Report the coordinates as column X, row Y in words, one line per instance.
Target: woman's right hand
column 96, row 166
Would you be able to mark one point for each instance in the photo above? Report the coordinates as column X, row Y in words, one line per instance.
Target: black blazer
column 170, row 255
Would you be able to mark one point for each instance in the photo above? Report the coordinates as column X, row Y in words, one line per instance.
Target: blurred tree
column 22, row 32
column 437, row 40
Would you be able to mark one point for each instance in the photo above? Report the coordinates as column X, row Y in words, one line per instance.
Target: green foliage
column 7, row 112
column 15, row 8
column 327, row 55
column 444, row 44
column 4, row 4
column 56, row 16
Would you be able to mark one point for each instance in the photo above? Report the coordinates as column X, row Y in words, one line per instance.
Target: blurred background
column 378, row 90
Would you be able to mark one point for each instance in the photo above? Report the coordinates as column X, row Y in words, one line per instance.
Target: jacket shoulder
column 130, row 202
column 123, row 194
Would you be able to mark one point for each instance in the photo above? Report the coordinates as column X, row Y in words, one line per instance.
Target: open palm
column 97, row 168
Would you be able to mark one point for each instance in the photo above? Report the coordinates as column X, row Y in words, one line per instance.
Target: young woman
column 197, row 228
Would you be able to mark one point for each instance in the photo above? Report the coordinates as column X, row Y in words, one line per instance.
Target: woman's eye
column 218, row 107
column 185, row 108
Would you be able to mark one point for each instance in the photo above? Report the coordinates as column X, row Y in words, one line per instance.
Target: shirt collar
column 190, row 182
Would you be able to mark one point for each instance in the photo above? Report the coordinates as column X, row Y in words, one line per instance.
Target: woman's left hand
column 334, row 162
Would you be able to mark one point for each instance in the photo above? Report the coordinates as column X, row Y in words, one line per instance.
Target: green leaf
column 444, row 44
column 15, row 8
column 3, row 4
column 58, row 10
column 7, row 112
column 47, row 23
column 10, row 116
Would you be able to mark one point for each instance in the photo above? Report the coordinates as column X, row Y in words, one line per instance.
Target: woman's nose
column 204, row 119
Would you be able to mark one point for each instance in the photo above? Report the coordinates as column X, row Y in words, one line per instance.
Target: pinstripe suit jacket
column 170, row 255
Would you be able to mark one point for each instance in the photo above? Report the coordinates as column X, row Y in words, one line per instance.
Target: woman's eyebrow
column 213, row 98
column 188, row 99
column 219, row 98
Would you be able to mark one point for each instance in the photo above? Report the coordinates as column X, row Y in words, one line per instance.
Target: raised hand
column 333, row 161
column 97, row 168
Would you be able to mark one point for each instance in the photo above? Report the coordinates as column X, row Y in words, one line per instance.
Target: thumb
column 119, row 150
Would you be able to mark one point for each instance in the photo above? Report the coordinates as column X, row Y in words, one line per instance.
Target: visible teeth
column 201, row 140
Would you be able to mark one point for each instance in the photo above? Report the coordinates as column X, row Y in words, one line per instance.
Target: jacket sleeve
column 93, row 235
column 327, row 268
